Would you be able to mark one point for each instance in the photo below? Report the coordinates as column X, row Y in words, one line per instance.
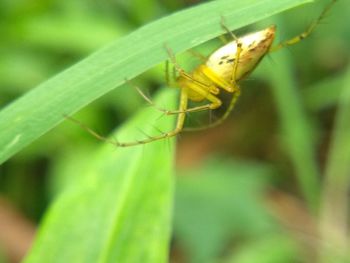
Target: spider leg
column 205, row 94
column 306, row 33
column 180, row 70
column 167, row 73
column 234, row 88
column 178, row 128
column 198, row 55
column 238, row 52
column 89, row 130
column 191, row 83
column 222, row 118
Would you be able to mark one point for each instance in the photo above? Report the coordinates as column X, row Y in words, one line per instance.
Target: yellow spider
column 223, row 69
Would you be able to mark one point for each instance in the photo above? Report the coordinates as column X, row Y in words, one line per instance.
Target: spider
column 222, row 70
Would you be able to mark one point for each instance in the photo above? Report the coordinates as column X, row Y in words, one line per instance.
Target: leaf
column 43, row 108
column 334, row 216
column 296, row 131
column 119, row 210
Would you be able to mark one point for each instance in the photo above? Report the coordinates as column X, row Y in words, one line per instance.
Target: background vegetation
column 269, row 185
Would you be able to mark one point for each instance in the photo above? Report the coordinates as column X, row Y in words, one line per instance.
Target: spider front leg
column 168, row 84
column 237, row 89
column 306, row 33
column 234, row 88
column 215, row 102
column 178, row 128
column 188, row 110
column 219, row 121
column 238, row 52
column 185, row 80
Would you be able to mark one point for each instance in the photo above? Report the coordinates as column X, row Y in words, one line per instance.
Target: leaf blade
column 43, row 108
column 119, row 211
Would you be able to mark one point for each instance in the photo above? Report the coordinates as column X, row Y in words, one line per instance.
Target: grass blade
column 335, row 220
column 296, row 131
column 44, row 107
column 120, row 210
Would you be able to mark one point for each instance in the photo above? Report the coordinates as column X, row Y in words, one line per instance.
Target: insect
column 221, row 71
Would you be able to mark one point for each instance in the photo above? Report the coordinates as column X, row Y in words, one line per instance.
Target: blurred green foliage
column 278, row 138
column 225, row 203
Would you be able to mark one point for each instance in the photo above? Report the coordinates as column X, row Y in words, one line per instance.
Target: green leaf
column 43, row 108
column 296, row 131
column 119, row 209
column 335, row 218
